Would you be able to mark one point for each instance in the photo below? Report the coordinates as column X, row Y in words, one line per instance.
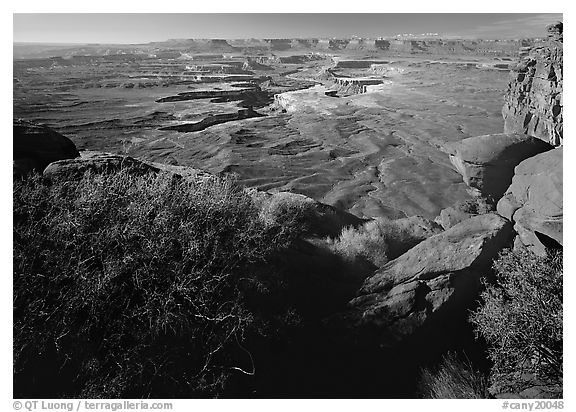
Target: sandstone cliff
column 533, row 101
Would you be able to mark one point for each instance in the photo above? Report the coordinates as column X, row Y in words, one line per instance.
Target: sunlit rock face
column 533, row 101
column 487, row 162
column 534, row 201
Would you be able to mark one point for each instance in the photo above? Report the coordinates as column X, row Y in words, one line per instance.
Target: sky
column 143, row 28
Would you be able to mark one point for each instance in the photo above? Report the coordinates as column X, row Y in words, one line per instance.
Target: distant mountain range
column 178, row 47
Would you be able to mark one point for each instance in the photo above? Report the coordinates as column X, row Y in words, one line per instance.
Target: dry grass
column 454, row 379
column 367, row 242
column 377, row 241
column 288, row 210
column 145, row 286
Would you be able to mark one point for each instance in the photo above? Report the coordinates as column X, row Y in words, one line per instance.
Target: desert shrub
column 475, row 206
column 521, row 315
column 147, row 286
column 376, row 241
column 367, row 242
column 453, row 379
column 288, row 210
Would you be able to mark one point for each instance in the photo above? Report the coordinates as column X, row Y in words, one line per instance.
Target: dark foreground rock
column 487, row 162
column 534, row 202
column 431, row 286
column 36, row 146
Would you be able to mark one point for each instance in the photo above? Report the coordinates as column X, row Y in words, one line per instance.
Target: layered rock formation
column 357, row 64
column 214, row 120
column 199, row 48
column 533, row 101
column 354, row 86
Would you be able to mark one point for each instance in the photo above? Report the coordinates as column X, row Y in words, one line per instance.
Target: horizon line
column 275, row 38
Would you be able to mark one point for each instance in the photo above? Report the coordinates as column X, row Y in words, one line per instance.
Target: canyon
column 359, row 124
column 456, row 144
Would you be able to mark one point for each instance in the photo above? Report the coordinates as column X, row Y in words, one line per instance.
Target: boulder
column 96, row 162
column 432, row 284
column 36, row 146
column 451, row 216
column 464, row 210
column 487, row 162
column 534, row 201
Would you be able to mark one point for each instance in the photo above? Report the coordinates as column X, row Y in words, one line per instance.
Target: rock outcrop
column 487, row 162
column 350, row 86
column 105, row 163
column 213, row 120
column 534, row 201
column 96, row 162
column 533, row 101
column 433, row 283
column 36, row 146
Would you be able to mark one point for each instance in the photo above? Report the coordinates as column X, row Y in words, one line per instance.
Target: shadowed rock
column 534, row 201
column 432, row 284
column 487, row 162
column 36, row 146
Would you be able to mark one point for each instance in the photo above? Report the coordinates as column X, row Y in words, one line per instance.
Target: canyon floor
column 356, row 131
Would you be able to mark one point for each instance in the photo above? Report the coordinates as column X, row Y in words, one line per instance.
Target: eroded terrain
column 360, row 130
